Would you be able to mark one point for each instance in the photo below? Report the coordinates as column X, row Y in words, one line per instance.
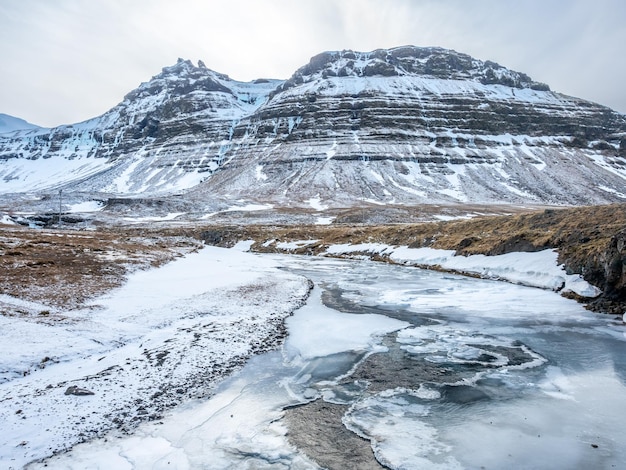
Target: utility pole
column 60, row 209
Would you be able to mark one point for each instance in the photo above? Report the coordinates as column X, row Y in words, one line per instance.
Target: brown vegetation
column 62, row 269
column 590, row 240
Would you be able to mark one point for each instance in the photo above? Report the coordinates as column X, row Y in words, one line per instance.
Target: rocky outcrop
column 608, row 272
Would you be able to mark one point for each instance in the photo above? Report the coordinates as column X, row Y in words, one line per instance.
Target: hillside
column 401, row 126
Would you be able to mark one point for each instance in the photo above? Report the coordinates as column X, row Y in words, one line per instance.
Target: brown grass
column 586, row 230
column 63, row 269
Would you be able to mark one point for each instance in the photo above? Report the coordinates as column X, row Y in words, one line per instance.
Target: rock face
column 608, row 271
column 166, row 134
column 404, row 125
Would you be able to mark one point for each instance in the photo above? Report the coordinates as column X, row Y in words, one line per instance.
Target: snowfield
column 520, row 379
column 167, row 336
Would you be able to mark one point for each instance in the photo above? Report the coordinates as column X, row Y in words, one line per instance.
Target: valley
column 382, row 259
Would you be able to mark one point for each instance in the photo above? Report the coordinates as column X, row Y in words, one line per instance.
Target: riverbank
column 588, row 241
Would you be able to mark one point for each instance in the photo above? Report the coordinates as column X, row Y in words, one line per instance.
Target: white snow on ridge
column 294, row 245
column 12, row 124
column 170, row 216
column 537, row 269
column 87, row 206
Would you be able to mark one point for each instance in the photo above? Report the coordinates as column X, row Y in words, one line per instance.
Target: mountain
column 406, row 125
column 164, row 135
column 12, row 124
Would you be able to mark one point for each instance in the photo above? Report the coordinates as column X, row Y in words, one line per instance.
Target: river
column 397, row 367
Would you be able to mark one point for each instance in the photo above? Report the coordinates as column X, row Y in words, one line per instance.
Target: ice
column 547, row 432
column 400, row 437
column 538, row 269
column 319, row 331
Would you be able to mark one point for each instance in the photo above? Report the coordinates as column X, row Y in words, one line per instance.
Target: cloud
column 69, row 60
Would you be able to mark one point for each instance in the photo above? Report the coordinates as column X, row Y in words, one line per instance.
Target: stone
column 77, row 391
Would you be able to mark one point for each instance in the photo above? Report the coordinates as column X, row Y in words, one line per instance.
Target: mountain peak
column 11, row 124
column 433, row 62
column 181, row 78
column 407, row 125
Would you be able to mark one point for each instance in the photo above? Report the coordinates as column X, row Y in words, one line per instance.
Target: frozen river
column 395, row 367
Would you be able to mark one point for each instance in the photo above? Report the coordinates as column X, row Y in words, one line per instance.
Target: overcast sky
column 64, row 61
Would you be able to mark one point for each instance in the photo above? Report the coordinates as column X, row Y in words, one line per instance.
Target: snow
column 538, row 269
column 87, row 206
column 245, row 208
column 165, row 329
column 316, row 203
column 12, row 124
column 332, row 151
column 22, row 175
column 294, row 244
column 320, row 331
column 170, row 216
column 6, row 220
column 260, row 176
column 324, row 220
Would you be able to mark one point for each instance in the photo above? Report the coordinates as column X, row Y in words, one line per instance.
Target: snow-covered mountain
column 12, row 123
column 165, row 135
column 406, row 125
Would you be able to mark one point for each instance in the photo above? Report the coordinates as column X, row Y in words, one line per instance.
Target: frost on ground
column 168, row 335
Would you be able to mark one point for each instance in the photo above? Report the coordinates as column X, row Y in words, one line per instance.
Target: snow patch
column 316, row 203
column 295, row 244
column 260, row 176
column 87, row 206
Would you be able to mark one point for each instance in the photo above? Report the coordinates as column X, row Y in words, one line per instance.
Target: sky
column 65, row 61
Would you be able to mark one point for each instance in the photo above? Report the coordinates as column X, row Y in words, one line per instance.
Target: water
column 397, row 367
